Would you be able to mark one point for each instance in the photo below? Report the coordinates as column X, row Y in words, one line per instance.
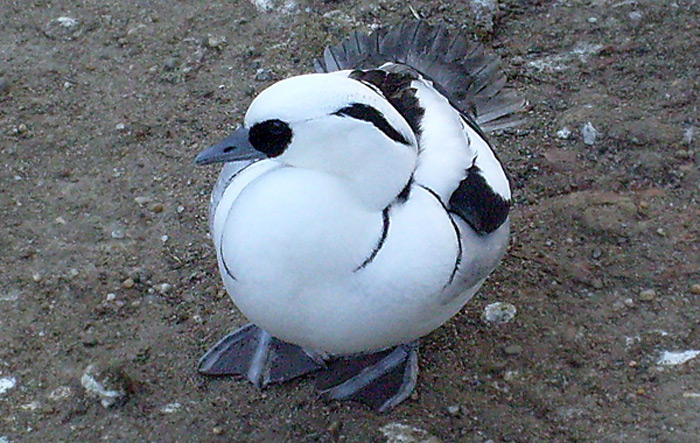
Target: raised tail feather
column 459, row 69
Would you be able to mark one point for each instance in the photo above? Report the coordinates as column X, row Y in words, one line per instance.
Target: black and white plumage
column 360, row 208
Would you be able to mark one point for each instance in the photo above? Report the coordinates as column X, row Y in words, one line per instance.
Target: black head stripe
column 270, row 137
column 372, row 115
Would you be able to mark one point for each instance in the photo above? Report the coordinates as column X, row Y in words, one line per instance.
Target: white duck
column 360, row 209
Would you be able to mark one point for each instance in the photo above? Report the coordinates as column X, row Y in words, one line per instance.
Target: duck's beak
column 235, row 147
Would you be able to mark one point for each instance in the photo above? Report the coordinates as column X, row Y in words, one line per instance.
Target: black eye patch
column 270, row 137
column 369, row 114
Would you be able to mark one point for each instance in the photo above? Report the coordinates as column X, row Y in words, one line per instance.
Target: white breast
column 291, row 248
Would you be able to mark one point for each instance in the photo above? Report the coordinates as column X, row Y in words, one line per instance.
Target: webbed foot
column 261, row 358
column 381, row 380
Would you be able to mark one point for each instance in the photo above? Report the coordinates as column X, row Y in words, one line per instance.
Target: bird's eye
column 270, row 137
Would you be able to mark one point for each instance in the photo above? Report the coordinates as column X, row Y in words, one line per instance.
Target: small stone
column 128, row 283
column 164, row 238
column 263, row 75
column 170, row 408
column 335, row 427
column 513, row 349
column 142, row 200
column 661, row 232
column 635, row 16
column 647, row 295
column 510, row 375
column 36, row 277
column 628, row 302
column 67, row 22
column 164, row 288
column 73, row 272
column 499, row 313
column 627, row 418
column 641, row 391
column 170, row 63
column 7, row 383
column 682, row 153
column 216, row 42
column 111, row 296
column 564, row 133
column 454, row 410
column 22, row 128
column 60, row 393
column 688, row 135
column 120, row 126
column 673, row 358
column 589, row 133
column 180, row 209
column 695, row 289
column 217, row 430
column 644, row 205
column 157, row 208
column 107, row 383
column 60, row 220
column 117, row 234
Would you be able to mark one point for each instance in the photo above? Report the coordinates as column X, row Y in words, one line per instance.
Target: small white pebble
column 164, row 238
column 688, row 135
column 673, row 358
column 7, row 383
column 120, row 127
column 60, row 393
column 67, row 22
column 635, row 16
column 454, row 410
column 142, row 200
column 170, row 408
column 589, row 133
column 117, row 234
column 31, row 406
column 499, row 313
column 111, row 296
column 36, row 277
column 73, row 272
column 60, row 220
column 564, row 133
column 164, row 288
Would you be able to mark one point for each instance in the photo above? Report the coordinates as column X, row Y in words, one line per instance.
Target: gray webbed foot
column 381, row 380
column 261, row 358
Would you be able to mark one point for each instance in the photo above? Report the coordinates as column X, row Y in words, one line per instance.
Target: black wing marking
column 478, row 204
column 396, row 88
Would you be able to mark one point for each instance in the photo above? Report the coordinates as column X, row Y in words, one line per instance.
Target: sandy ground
column 109, row 277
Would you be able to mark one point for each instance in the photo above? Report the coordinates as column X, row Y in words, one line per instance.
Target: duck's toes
column 381, row 380
column 261, row 358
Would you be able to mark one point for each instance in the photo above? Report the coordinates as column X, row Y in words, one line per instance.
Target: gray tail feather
column 458, row 68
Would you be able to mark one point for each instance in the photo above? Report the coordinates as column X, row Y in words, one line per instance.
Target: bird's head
column 329, row 123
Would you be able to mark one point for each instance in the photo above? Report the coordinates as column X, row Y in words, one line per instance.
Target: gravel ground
column 111, row 291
